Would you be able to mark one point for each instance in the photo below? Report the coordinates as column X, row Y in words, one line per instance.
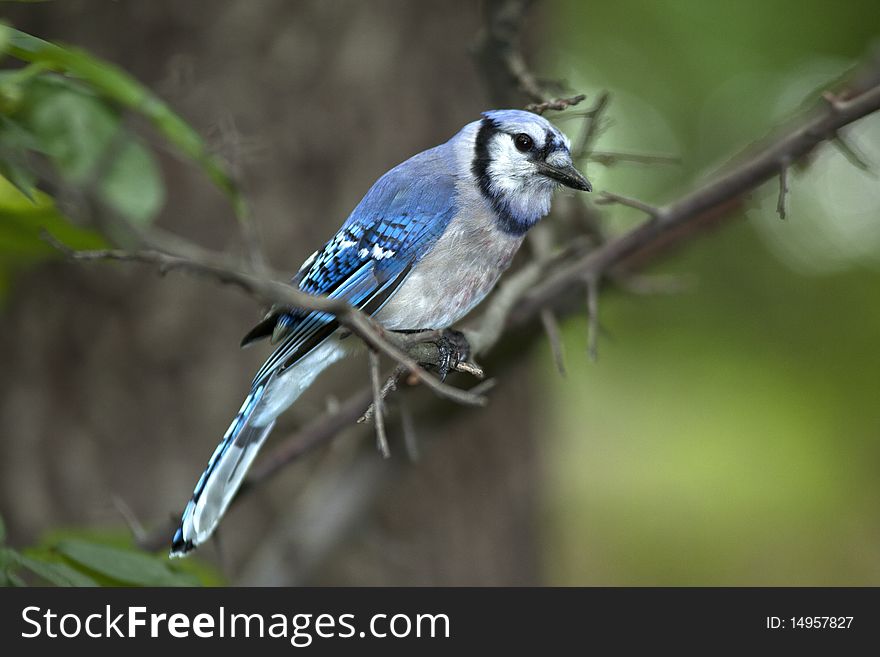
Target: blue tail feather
column 223, row 475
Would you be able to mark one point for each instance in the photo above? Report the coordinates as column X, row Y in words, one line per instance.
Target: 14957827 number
column 821, row 622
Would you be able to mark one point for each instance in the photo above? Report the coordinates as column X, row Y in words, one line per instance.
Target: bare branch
column 408, row 427
column 273, row 292
column 714, row 198
column 557, row 104
column 834, row 101
column 470, row 368
column 378, row 414
column 314, row 434
column 499, row 55
column 783, row 188
column 388, row 387
column 233, row 148
column 592, row 123
column 654, row 283
column 850, row 152
column 611, row 158
column 607, row 198
column 131, row 520
column 593, row 318
column 551, row 328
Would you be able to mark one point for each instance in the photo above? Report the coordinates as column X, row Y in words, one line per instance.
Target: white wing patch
column 309, row 261
column 380, row 254
column 377, row 253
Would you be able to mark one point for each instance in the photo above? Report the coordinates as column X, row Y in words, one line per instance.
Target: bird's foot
column 453, row 354
column 453, row 349
column 442, row 351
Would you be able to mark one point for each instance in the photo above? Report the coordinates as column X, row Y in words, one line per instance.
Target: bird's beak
column 567, row 175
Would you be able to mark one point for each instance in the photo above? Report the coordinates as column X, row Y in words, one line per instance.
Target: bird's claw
column 453, row 349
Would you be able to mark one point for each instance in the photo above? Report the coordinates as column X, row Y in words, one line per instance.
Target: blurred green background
column 729, row 435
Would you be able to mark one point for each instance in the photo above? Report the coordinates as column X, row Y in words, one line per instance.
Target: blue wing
column 365, row 263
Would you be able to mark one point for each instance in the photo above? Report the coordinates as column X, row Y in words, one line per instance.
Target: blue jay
column 422, row 248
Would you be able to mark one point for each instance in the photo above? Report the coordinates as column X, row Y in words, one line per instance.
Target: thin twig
column 850, row 153
column 134, row 525
column 314, row 434
column 557, row 104
column 606, row 198
column 611, row 158
column 835, row 103
column 378, row 413
column 783, row 188
column 551, row 328
column 231, row 144
column 388, row 387
column 484, row 386
column 592, row 124
column 593, row 318
column 408, row 427
column 499, row 54
column 651, row 284
column 473, row 369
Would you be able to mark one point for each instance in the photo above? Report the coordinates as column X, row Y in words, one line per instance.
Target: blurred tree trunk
column 118, row 382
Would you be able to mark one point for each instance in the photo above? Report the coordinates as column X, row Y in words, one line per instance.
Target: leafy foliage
column 65, row 128
column 74, row 558
column 118, row 87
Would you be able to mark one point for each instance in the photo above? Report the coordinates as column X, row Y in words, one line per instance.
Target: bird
column 424, row 246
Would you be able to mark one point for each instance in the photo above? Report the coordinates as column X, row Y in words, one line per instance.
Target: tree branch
column 379, row 393
column 712, row 198
column 783, row 188
column 499, row 55
column 274, row 292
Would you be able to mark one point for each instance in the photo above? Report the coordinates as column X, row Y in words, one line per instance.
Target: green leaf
column 7, row 558
column 75, row 128
column 20, row 177
column 15, row 580
column 87, row 142
column 10, row 578
column 23, row 219
column 133, row 186
column 125, row 566
column 55, row 572
column 116, row 85
column 5, row 35
column 15, row 142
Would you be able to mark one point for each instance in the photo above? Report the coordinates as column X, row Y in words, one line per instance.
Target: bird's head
column 520, row 158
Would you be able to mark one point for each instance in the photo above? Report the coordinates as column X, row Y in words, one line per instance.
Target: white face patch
column 514, row 177
column 509, row 169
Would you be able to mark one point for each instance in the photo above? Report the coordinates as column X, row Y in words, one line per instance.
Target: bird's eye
column 523, row 142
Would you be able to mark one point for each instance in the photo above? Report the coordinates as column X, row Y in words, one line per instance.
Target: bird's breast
column 459, row 271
